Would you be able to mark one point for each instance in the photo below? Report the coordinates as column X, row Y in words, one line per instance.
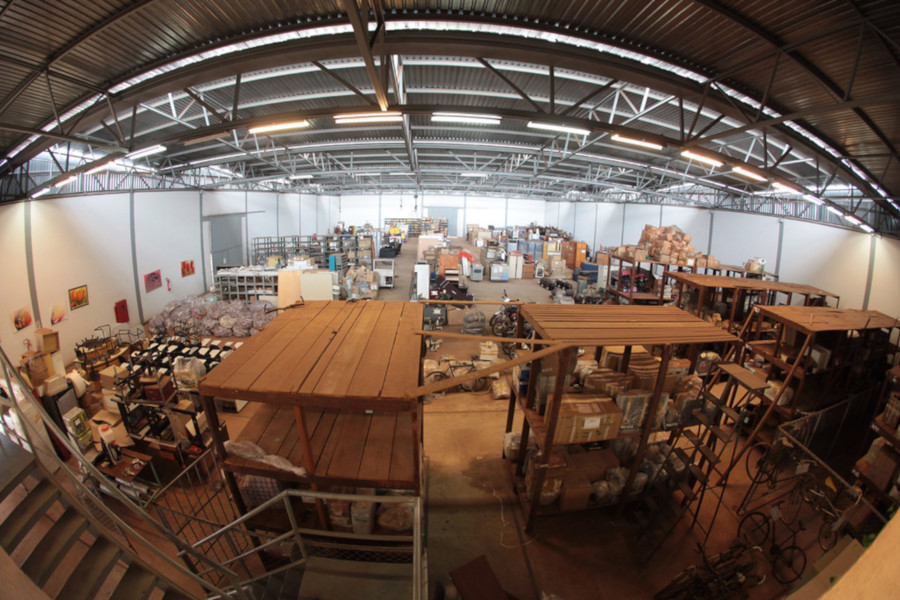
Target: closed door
column 226, row 241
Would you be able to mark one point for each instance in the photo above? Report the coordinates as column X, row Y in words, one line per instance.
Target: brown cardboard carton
column 575, row 493
column 593, row 464
column 587, row 419
column 109, row 374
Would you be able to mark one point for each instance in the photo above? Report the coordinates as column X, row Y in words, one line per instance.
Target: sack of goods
column 473, row 322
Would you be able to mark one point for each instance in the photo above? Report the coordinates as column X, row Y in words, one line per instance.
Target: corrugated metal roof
column 86, row 47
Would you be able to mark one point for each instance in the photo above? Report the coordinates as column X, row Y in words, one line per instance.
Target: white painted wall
column 288, row 214
column 84, row 241
column 609, row 225
column 309, row 206
column 833, row 259
column 525, row 212
column 262, row 215
column 486, row 211
column 222, row 202
column 16, row 294
column 583, row 217
column 885, row 294
column 357, row 210
column 739, row 236
column 167, row 231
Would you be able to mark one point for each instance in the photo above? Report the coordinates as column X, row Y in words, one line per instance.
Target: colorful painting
column 152, row 281
column 57, row 314
column 78, row 297
column 21, row 318
column 187, row 268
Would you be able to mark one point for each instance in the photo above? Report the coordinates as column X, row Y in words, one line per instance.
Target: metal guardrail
column 198, row 498
column 229, row 572
column 20, row 394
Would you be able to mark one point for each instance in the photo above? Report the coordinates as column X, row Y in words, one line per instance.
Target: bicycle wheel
column 791, row 507
column 789, row 564
column 758, row 464
column 754, row 528
column 828, row 535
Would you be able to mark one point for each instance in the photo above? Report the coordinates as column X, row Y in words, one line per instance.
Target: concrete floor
column 472, row 509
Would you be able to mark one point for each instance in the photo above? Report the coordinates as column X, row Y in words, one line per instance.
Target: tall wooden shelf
column 818, row 353
column 336, row 384
column 598, row 326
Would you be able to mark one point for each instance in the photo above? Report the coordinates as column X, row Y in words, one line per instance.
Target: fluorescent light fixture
column 474, row 174
column 703, row 159
column 747, row 173
column 302, row 176
column 853, row 219
column 370, row 117
column 146, row 152
column 558, row 128
column 402, row 173
column 636, row 142
column 40, row 193
column 836, row 211
column 104, row 167
column 785, row 188
column 813, row 199
column 279, row 127
column 864, row 227
column 471, row 119
column 66, row 181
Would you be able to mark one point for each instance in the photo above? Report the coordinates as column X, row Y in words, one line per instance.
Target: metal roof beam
column 360, row 22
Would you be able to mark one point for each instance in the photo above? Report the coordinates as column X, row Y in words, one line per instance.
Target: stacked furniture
column 334, row 383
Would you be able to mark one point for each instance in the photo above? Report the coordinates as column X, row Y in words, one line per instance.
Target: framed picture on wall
column 152, row 281
column 78, row 297
column 21, row 318
column 187, row 268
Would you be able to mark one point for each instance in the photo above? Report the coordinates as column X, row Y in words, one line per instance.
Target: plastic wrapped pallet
column 395, row 517
column 473, row 322
column 501, row 388
column 187, row 371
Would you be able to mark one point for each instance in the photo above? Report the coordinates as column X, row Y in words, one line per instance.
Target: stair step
column 45, row 557
column 26, row 514
column 749, row 380
column 15, row 465
column 726, row 410
column 136, row 584
column 91, row 571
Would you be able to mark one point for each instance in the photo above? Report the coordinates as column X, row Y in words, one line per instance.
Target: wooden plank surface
column 279, row 429
column 406, row 356
column 348, row 453
column 376, row 460
column 402, row 467
column 822, row 318
column 370, row 373
column 338, row 373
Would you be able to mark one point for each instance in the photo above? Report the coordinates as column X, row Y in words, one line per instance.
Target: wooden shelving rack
column 336, row 381
column 568, row 327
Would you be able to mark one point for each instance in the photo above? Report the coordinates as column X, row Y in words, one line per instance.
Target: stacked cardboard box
column 361, row 282
column 607, row 381
column 587, row 419
column 611, row 356
column 668, row 245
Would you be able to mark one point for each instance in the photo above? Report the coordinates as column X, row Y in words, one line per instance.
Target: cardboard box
column 575, row 493
column 593, row 464
column 47, row 340
column 109, row 375
column 587, row 419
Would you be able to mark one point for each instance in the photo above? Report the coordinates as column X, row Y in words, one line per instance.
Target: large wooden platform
column 328, row 354
column 747, row 283
column 336, row 384
column 620, row 325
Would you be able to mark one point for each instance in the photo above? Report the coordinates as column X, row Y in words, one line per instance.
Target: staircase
column 62, row 550
column 700, row 443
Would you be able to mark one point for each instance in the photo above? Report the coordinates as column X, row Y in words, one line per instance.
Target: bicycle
column 724, row 575
column 788, row 559
column 766, row 461
column 455, row 368
column 835, row 505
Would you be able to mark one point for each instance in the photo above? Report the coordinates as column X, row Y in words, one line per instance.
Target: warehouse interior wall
column 87, row 240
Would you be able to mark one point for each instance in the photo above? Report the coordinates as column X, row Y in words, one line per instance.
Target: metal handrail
column 9, row 374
